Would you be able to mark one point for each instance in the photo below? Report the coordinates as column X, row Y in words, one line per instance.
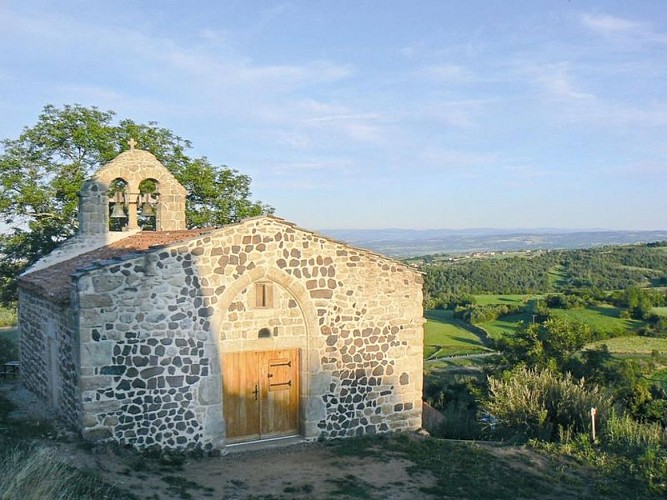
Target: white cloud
column 555, row 80
column 622, row 29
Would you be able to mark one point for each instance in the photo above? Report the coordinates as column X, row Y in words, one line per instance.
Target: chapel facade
column 204, row 338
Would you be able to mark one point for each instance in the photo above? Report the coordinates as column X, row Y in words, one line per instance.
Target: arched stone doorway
column 268, row 349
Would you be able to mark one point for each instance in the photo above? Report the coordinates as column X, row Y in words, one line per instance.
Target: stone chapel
column 205, row 338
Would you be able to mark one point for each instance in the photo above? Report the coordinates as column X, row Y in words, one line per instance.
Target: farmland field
column 445, row 336
column 603, row 319
column 634, row 345
column 484, row 300
column 660, row 311
column 505, row 325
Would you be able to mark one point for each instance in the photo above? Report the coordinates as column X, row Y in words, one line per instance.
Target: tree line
column 605, row 268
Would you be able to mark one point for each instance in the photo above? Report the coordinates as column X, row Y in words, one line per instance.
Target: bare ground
column 313, row 470
column 301, row 470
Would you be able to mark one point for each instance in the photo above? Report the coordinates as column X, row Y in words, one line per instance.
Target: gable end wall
column 153, row 329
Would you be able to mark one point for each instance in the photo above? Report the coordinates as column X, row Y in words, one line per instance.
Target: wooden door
column 261, row 394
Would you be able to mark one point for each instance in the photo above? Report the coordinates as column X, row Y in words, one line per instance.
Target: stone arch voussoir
column 288, row 282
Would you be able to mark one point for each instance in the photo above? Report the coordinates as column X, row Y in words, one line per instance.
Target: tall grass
column 626, row 433
column 36, row 474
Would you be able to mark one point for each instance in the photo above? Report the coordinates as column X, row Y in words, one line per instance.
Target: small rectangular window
column 263, row 295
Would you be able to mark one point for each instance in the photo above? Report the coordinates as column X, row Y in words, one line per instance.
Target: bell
column 146, row 206
column 117, row 212
column 147, row 209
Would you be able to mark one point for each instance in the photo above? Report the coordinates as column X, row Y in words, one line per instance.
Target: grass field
column 660, row 311
column 634, row 345
column 506, row 325
column 445, row 336
column 484, row 300
column 603, row 319
column 557, row 276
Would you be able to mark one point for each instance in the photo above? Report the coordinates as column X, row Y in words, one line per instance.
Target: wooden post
column 593, row 413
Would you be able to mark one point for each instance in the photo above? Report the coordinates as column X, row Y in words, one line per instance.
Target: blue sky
column 360, row 114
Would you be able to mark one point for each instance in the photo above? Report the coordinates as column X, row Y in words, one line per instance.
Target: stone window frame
column 264, row 296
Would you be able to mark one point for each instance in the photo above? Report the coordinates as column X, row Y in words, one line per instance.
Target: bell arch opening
column 148, row 204
column 118, row 204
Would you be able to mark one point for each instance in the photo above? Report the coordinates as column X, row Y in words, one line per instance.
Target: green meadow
column 485, row 300
column 506, row 325
column 603, row 319
column 444, row 335
column 634, row 345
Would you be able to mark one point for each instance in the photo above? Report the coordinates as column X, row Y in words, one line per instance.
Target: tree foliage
column 550, row 344
column 41, row 173
column 581, row 272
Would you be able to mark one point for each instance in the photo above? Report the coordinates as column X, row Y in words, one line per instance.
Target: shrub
column 537, row 403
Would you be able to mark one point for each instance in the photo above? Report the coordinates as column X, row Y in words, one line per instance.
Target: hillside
column 408, row 243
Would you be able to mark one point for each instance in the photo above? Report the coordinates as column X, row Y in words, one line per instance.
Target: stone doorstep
column 264, row 444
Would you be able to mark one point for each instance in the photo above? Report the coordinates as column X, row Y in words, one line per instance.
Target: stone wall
column 49, row 354
column 154, row 327
column 135, row 166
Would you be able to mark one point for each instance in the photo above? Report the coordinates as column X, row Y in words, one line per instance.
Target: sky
column 376, row 114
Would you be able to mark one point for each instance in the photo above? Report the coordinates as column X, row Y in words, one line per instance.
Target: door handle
column 256, row 391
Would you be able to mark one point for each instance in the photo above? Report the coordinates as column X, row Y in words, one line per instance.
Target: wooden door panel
column 261, row 394
column 240, row 401
column 280, row 403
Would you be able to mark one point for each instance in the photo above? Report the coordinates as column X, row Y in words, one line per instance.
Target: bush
column 539, row 403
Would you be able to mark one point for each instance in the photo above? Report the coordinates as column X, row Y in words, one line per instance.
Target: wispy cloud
column 622, row 29
column 555, row 80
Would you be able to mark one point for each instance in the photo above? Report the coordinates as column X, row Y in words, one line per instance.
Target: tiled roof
column 54, row 282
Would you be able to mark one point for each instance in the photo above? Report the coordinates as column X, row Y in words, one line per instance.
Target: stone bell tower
column 130, row 169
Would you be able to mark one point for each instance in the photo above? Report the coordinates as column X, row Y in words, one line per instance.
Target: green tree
column 41, row 173
column 550, row 344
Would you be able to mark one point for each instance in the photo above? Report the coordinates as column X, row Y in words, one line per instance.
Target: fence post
column 593, row 413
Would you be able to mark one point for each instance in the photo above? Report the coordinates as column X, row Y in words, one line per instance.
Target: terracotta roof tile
column 54, row 282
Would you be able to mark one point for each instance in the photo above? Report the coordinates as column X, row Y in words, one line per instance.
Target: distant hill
column 410, row 243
